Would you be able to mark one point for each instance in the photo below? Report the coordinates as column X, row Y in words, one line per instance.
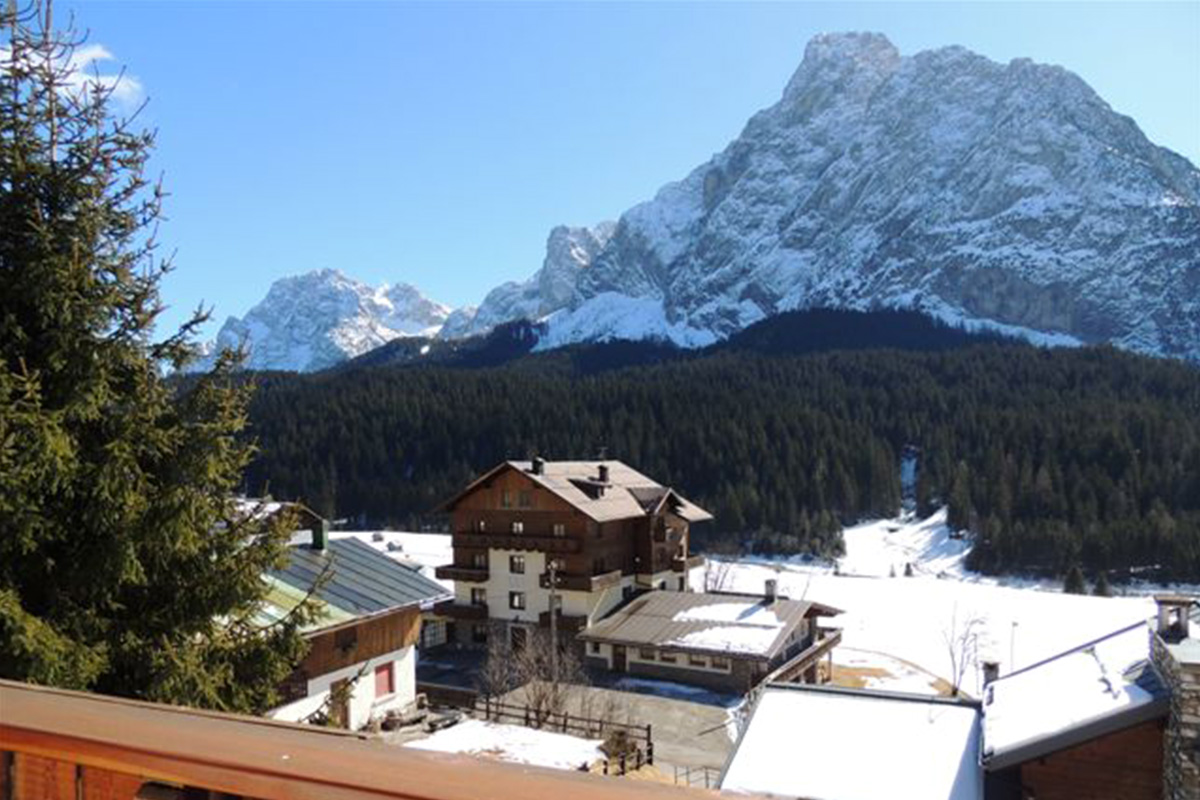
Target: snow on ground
column 422, row 551
column 1015, row 622
column 513, row 743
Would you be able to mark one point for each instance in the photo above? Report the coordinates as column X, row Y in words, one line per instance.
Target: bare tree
column 529, row 674
column 962, row 644
column 546, row 688
column 717, row 575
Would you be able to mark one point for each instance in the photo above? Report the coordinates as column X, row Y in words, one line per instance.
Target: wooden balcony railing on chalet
column 567, row 623
column 449, row 608
column 517, row 541
column 451, row 572
column 56, row 744
column 582, row 583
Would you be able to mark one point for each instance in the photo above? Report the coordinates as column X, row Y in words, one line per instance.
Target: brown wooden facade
column 341, row 646
column 584, row 548
column 1124, row 765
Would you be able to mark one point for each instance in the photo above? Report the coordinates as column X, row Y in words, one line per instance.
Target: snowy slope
column 895, row 628
column 312, row 321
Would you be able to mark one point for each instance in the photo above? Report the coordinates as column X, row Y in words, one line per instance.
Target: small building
column 1088, row 722
column 365, row 641
column 725, row 642
column 593, row 533
column 833, row 743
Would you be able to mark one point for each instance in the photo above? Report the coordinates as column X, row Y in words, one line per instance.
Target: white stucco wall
column 364, row 705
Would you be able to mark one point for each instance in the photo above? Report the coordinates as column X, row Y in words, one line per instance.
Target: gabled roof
column 362, row 581
column 834, row 743
column 1097, row 688
column 627, row 493
column 730, row 624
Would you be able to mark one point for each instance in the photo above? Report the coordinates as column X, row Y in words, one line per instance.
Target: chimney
column 539, row 465
column 1173, row 616
column 771, row 590
column 320, row 535
column 603, row 473
column 991, row 671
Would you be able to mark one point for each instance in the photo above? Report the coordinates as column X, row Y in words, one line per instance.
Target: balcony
column 567, row 623
column 517, row 541
column 453, row 572
column 454, row 610
column 582, row 583
column 63, row 744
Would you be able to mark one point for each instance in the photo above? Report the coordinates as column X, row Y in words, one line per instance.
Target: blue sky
column 438, row 143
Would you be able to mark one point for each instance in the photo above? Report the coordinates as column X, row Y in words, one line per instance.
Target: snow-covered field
column 513, row 743
column 895, row 629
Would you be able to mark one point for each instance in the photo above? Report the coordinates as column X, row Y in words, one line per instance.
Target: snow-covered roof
column 830, row 743
column 624, row 494
column 745, row 625
column 1100, row 686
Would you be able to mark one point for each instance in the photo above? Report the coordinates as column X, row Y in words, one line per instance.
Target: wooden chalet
column 363, row 649
column 599, row 530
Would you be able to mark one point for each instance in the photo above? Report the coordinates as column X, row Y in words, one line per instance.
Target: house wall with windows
column 721, row 673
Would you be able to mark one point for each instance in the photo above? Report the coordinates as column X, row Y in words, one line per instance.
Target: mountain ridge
column 1007, row 197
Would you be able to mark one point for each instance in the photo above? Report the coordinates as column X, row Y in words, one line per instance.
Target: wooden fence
column 697, row 776
column 639, row 737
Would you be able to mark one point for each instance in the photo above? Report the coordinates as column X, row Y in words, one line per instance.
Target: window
column 385, row 680
column 516, row 565
column 560, row 529
column 595, row 648
column 697, row 661
column 518, row 527
column 481, row 525
column 646, row 654
column 525, row 499
column 666, row 658
column 479, row 560
column 516, row 600
column 478, row 596
column 505, row 499
column 479, row 633
column 720, row 663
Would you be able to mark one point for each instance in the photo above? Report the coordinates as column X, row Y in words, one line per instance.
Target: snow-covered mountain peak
column 317, row 319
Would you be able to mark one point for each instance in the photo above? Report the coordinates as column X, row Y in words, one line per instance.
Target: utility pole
column 554, row 620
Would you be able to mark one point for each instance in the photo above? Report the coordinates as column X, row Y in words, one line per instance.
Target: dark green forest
column 1050, row 458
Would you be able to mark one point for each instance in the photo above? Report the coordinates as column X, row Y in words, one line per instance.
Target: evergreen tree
column 123, row 568
column 1074, row 583
column 1102, row 588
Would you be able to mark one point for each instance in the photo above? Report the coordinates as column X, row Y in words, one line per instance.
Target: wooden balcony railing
column 55, row 743
column 582, row 583
column 567, row 623
column 517, row 541
column 449, row 608
column 450, row 572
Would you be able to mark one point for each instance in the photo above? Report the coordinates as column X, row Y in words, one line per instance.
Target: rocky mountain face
column 319, row 319
column 998, row 196
column 569, row 251
column 1007, row 196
